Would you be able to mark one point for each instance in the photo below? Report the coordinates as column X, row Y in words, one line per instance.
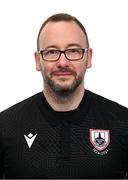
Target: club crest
column 99, row 138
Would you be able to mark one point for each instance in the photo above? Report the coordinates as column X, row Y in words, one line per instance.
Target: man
column 65, row 131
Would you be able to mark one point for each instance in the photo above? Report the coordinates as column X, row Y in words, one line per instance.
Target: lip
column 63, row 74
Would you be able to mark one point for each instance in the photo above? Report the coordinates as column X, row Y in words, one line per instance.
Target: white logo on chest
column 30, row 139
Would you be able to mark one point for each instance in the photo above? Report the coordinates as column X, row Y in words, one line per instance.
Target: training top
column 90, row 142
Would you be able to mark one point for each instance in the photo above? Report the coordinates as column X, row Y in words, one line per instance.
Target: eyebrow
column 68, row 46
column 51, row 46
column 74, row 44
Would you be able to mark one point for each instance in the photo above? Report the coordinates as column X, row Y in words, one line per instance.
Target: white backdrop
column 106, row 22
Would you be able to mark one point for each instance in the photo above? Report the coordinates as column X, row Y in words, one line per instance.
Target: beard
column 60, row 90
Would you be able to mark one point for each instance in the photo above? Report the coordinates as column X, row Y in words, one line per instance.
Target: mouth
column 63, row 73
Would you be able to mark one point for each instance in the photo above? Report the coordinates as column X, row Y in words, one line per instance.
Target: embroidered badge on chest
column 100, row 140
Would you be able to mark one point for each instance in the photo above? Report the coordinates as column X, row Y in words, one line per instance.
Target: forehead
column 62, row 33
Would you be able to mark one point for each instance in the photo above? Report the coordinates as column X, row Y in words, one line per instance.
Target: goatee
column 63, row 91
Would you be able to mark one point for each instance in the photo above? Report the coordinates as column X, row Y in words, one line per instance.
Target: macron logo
column 30, row 139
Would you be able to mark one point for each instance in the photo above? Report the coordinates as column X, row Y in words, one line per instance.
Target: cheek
column 80, row 68
column 47, row 68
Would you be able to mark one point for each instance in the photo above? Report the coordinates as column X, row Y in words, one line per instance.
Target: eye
column 74, row 51
column 50, row 52
column 53, row 51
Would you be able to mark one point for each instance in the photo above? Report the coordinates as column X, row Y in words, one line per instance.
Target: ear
column 89, row 64
column 37, row 60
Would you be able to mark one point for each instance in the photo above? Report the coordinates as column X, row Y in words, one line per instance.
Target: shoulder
column 20, row 107
column 108, row 106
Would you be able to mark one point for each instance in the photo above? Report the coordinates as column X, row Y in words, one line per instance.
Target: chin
column 65, row 89
column 63, row 92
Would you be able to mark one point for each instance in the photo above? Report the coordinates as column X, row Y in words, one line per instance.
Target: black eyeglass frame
column 63, row 52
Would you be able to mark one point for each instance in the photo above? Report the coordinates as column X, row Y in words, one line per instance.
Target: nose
column 63, row 61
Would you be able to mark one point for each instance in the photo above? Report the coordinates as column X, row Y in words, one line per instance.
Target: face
column 63, row 76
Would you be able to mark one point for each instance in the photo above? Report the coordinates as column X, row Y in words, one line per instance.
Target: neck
column 66, row 103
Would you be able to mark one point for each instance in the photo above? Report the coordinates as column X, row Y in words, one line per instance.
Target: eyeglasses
column 53, row 55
